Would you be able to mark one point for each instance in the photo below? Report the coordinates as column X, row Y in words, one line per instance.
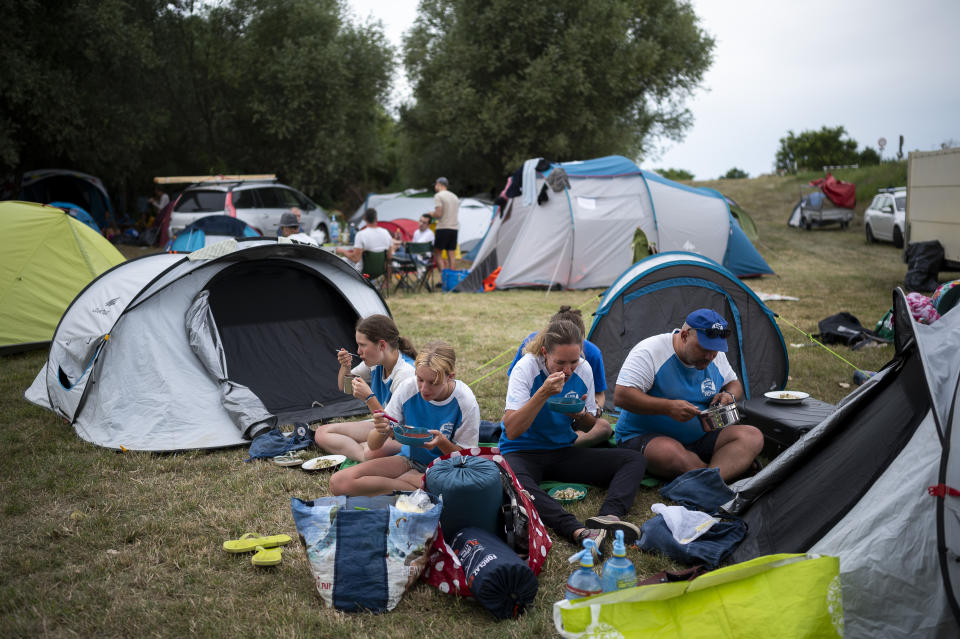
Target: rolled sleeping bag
column 500, row 581
column 471, row 490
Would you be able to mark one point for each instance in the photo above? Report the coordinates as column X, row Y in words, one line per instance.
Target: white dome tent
column 171, row 352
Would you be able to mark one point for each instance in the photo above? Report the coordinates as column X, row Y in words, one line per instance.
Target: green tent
column 46, row 258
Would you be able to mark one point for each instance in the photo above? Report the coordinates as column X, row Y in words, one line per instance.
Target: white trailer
column 933, row 202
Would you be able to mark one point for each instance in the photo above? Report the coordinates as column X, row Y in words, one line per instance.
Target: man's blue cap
column 706, row 318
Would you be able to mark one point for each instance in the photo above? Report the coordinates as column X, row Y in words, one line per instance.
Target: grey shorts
column 702, row 448
column 417, row 466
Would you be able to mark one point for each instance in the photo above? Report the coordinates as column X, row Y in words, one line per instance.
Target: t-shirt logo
column 447, row 429
column 708, row 388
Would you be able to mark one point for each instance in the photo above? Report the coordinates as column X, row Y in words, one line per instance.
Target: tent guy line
column 810, row 337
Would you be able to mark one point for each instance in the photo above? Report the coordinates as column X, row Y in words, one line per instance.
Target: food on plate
column 568, row 493
column 788, row 396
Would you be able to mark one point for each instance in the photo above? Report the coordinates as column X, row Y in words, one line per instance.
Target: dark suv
column 259, row 203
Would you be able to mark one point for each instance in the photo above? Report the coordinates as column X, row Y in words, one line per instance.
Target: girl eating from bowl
column 434, row 400
column 538, row 442
column 386, row 361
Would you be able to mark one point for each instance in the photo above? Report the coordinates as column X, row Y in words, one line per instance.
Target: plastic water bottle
column 584, row 582
column 334, row 230
column 618, row 571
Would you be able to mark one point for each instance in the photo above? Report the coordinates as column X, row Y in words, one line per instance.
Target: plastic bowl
column 565, row 404
column 412, row 435
column 568, row 493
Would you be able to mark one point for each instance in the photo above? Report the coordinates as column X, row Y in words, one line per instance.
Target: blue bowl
column 565, row 404
column 412, row 435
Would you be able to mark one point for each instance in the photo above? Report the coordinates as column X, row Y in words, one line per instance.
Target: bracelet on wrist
column 367, row 398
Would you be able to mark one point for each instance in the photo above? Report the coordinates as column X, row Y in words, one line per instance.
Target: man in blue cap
column 665, row 381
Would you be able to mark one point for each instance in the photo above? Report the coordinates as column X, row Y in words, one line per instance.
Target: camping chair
column 423, row 261
column 404, row 267
column 375, row 266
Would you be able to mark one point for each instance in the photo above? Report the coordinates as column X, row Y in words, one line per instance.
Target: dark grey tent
column 877, row 484
column 655, row 295
column 173, row 352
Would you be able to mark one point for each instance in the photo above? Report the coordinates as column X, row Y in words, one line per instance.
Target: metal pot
column 717, row 417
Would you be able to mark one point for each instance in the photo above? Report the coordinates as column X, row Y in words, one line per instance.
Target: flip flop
column 267, row 556
column 251, row 541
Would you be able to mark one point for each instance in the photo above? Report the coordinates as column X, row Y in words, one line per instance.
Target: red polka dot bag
column 524, row 531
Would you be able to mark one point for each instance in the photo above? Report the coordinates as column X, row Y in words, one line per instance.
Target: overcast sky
column 880, row 68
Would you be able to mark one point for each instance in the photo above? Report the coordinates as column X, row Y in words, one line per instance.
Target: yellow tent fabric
column 46, row 258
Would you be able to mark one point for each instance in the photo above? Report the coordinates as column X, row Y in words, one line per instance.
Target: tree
column 812, row 150
column 71, row 88
column 735, row 174
column 868, row 157
column 675, row 174
column 129, row 89
column 496, row 84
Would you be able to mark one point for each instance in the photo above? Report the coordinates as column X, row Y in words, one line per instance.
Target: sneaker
column 289, row 458
column 612, row 523
column 596, row 534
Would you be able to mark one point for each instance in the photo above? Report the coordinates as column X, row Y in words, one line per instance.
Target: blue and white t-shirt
column 653, row 367
column 380, row 386
column 591, row 353
column 550, row 429
column 457, row 417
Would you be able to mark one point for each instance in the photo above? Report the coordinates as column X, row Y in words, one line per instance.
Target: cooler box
column 782, row 424
column 452, row 277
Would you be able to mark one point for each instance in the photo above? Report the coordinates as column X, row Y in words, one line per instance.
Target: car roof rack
column 195, row 179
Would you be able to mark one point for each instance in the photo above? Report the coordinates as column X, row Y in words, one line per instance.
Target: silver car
column 884, row 218
column 259, row 203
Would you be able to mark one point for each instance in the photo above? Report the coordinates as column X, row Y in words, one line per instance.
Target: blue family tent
column 572, row 224
column 655, row 295
column 210, row 230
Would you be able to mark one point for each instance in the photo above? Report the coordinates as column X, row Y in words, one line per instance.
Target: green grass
column 99, row 543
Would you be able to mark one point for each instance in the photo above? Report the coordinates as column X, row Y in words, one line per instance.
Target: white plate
column 795, row 397
column 325, row 462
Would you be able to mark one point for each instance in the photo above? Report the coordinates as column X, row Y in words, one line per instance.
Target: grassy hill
column 100, row 543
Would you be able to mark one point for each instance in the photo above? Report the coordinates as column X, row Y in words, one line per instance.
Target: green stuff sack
column 770, row 597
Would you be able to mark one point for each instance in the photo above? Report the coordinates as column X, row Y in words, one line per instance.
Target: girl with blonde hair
column 433, row 399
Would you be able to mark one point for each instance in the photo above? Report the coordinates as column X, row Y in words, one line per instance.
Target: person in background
column 538, row 442
column 370, row 238
column 446, row 211
column 594, row 357
column 433, row 399
column 159, row 201
column 386, row 360
column 665, row 381
column 290, row 229
column 423, row 234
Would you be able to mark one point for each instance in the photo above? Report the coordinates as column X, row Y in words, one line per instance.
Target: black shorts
column 702, row 448
column 445, row 239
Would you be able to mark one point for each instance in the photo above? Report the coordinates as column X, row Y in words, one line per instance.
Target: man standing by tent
column 446, row 211
column 665, row 381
